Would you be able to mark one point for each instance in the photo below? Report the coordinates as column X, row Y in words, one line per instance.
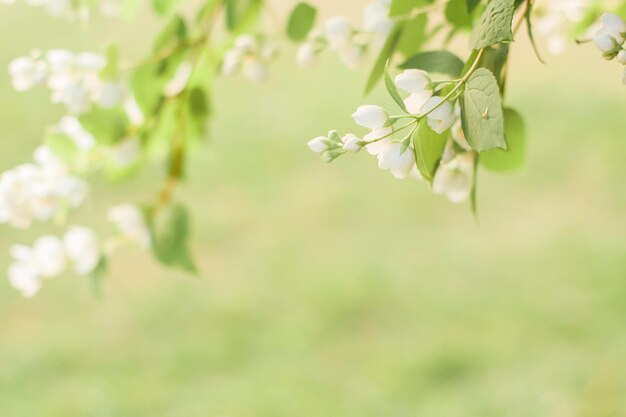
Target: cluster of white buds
column 73, row 78
column 73, row 9
column 251, row 56
column 50, row 256
column 555, row 19
column 39, row 191
column 393, row 147
column 610, row 39
column 350, row 43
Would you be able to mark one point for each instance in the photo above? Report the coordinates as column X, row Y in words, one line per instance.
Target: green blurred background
column 336, row 290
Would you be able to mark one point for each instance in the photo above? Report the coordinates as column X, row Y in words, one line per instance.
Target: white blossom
column 455, row 177
column 179, row 81
column 130, row 222
column 39, row 190
column 82, row 248
column 45, row 259
column 621, row 57
column 614, row 26
column 71, row 127
column 249, row 55
column 442, row 117
column 371, row 116
column 307, row 55
column 377, row 139
column 398, row 158
column 376, row 19
column 338, row 31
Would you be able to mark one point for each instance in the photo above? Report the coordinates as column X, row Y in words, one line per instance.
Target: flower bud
column 318, row 145
column 307, row 56
column 621, row 57
column 614, row 26
column 371, row 117
column 606, row 43
column 351, row 143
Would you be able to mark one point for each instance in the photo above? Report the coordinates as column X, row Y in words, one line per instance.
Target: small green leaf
column 301, row 21
column 108, row 126
column 457, row 14
column 393, row 90
column 443, row 62
column 163, row 7
column 403, row 7
column 529, row 27
column 495, row 25
column 429, row 147
column 414, row 35
column 385, row 54
column 481, row 112
column 111, row 70
column 513, row 157
column 170, row 233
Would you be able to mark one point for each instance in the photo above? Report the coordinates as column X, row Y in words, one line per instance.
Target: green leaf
column 457, row 14
column 241, row 15
column 403, row 7
column 172, row 35
column 494, row 59
column 108, row 126
column 385, row 54
column 471, row 5
column 529, row 28
column 495, row 25
column 429, row 147
column 111, row 70
column 393, row 90
column 197, row 111
column 513, row 157
column 481, row 112
column 414, row 35
column 301, row 21
column 170, row 233
column 443, row 62
column 163, row 7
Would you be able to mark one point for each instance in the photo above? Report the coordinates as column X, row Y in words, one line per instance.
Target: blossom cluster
column 610, row 39
column 79, row 248
column 250, row 55
column 395, row 151
column 73, row 78
column 39, row 191
column 349, row 42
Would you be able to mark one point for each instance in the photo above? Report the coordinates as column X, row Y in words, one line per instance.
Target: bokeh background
column 336, row 290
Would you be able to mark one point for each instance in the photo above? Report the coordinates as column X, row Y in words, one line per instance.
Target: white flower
column 26, row 73
column 82, row 248
column 246, row 44
column 46, row 259
column 38, row 191
column 377, row 139
column 351, row 143
column 458, row 135
column 232, row 62
column 371, row 116
column 338, row 32
column 179, row 81
column 130, row 222
column 307, row 55
column 319, row 144
column 414, row 81
column 398, row 158
column 455, row 178
column 612, row 25
column 606, row 43
column 443, row 117
column 419, row 86
column 70, row 126
column 621, row 57
column 376, row 18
